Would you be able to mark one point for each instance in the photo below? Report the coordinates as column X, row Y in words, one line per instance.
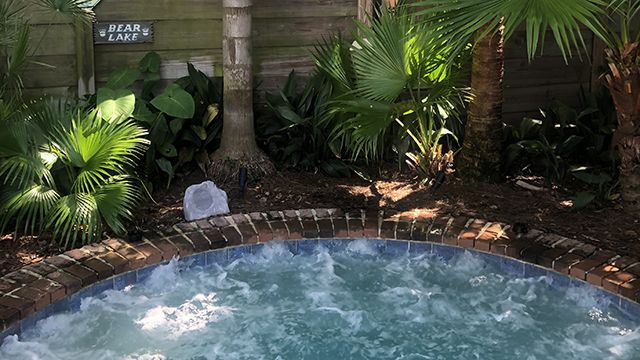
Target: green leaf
column 150, row 63
column 200, row 131
column 115, row 104
column 175, row 102
column 176, row 125
column 168, row 150
column 589, row 178
column 165, row 165
column 582, row 199
column 570, row 143
column 212, row 112
column 122, row 78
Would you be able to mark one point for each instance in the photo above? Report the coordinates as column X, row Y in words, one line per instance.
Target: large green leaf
column 122, row 78
column 176, row 102
column 115, row 104
column 150, row 63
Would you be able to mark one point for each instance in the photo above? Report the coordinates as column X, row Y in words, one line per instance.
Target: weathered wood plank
column 54, row 39
column 212, row 9
column 60, row 70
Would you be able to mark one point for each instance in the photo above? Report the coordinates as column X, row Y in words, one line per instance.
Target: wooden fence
column 284, row 30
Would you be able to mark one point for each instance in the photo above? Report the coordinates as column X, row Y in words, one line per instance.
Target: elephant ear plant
column 180, row 118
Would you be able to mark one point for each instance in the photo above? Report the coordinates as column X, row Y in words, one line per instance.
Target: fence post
column 85, row 63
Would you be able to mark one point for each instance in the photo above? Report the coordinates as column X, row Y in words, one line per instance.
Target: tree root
column 225, row 168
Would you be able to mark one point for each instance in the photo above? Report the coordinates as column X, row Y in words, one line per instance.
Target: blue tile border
column 507, row 265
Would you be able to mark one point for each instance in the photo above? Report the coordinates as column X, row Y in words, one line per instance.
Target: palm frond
column 460, row 20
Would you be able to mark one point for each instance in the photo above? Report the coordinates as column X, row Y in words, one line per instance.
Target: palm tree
column 488, row 24
column 623, row 81
column 238, row 146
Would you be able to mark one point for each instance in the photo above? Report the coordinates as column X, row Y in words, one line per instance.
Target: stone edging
column 34, row 287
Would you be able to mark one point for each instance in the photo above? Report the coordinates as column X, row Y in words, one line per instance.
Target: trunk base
column 225, row 167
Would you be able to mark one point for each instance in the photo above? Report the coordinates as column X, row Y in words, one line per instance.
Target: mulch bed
column 608, row 227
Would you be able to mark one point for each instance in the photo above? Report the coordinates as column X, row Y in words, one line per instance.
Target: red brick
column 596, row 275
column 547, row 257
column 119, row 263
column 78, row 254
column 20, row 277
column 199, row 241
column 309, row 229
column 151, row 254
column 630, row 289
column 8, row 317
column 295, row 229
column 249, row 235
column 220, row 221
column 420, row 231
column 85, row 275
column 634, row 269
column 515, row 247
column 256, row 216
column 232, row 235
column 54, row 290
column 167, row 248
column 58, row 261
column 186, row 227
column 533, row 253
column 340, row 228
column 371, row 227
column 323, row 213
column 99, row 267
column 565, row 262
column 279, row 229
column 275, row 215
column 290, row 215
column 185, row 247
column 264, row 231
column 41, row 268
column 136, row 259
column 204, row 224
column 581, row 269
column 438, row 227
column 403, row 229
column 388, row 229
column 325, row 227
column 97, row 248
column 306, row 214
column 215, row 236
column 584, row 250
column 240, row 219
column 25, row 306
column 115, row 244
column 612, row 282
column 8, row 286
column 40, row 298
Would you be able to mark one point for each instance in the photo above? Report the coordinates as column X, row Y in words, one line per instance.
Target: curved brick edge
column 35, row 287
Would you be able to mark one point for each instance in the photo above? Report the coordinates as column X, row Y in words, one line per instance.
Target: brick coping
column 32, row 289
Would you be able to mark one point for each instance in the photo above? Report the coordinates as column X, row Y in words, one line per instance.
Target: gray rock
column 204, row 200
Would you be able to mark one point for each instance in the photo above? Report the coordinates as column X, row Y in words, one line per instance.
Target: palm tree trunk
column 482, row 147
column 624, row 84
column 238, row 145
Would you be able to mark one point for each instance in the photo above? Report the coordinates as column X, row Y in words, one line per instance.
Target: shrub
column 68, row 171
column 180, row 118
column 397, row 82
column 292, row 132
column 568, row 144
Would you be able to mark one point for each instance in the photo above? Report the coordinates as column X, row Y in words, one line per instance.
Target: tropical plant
column 396, row 79
column 292, row 132
column 567, row 144
column 68, row 171
column 488, row 24
column 180, row 118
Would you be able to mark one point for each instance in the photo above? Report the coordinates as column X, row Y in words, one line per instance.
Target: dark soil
column 549, row 209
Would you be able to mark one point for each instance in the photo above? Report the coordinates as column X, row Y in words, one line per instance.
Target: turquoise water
column 353, row 304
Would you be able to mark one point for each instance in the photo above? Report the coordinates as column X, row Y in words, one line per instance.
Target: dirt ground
column 548, row 209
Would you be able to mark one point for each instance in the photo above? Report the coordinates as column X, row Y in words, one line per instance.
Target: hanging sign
column 130, row 32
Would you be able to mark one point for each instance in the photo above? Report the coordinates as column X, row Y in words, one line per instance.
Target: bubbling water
column 354, row 304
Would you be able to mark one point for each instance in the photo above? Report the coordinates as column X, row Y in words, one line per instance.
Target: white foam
column 362, row 247
column 193, row 315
